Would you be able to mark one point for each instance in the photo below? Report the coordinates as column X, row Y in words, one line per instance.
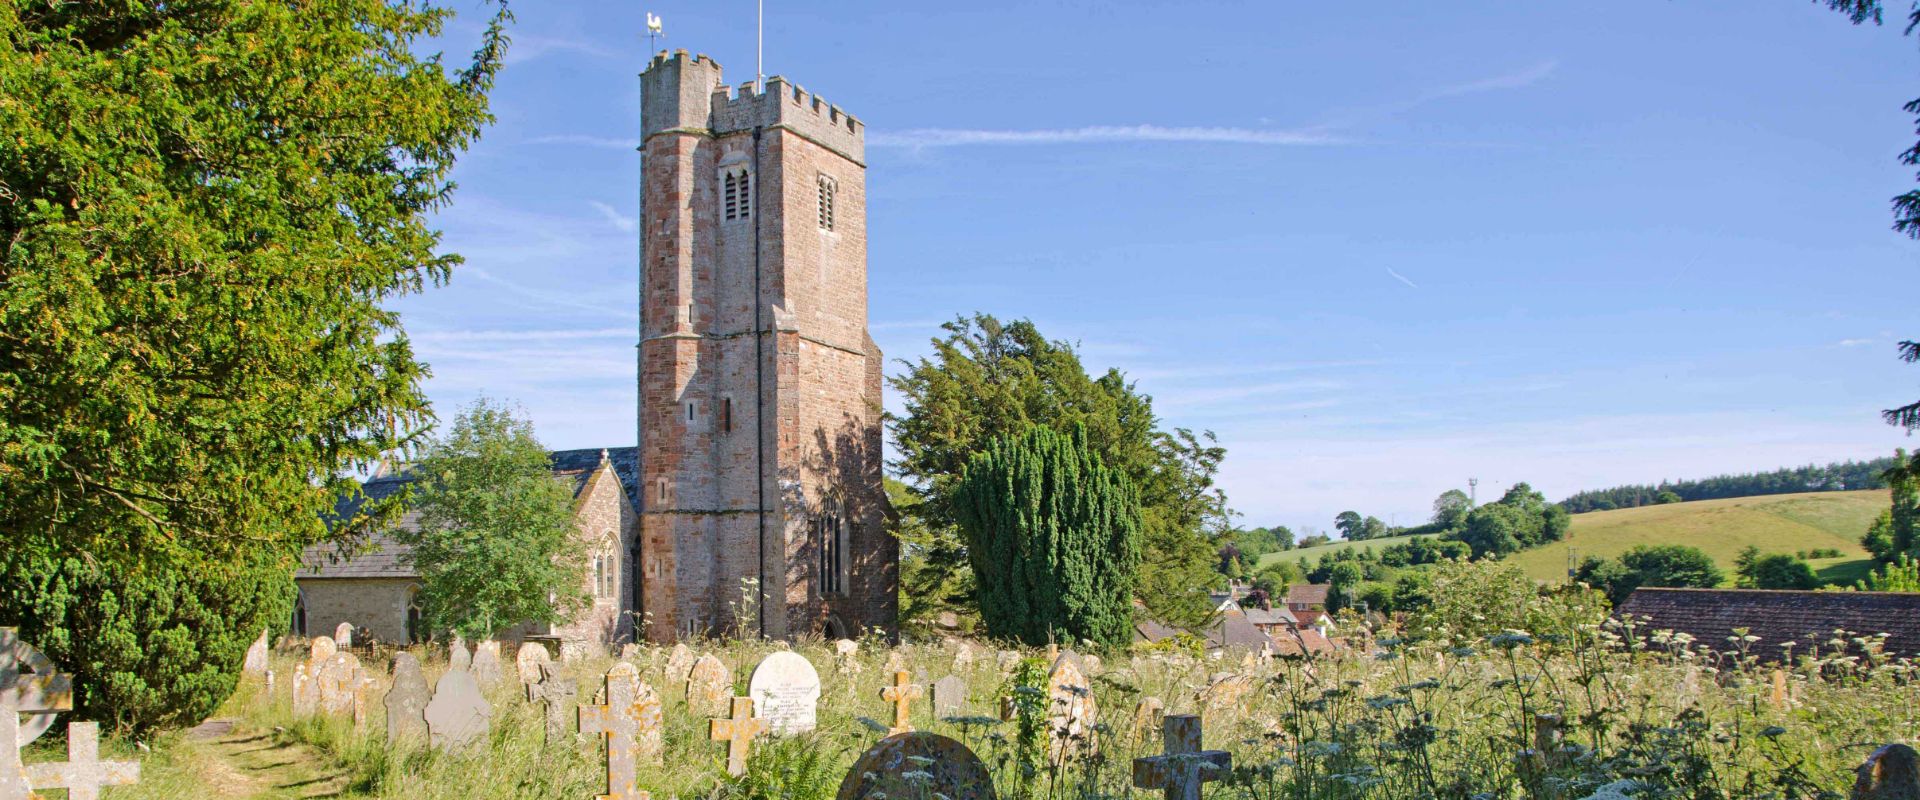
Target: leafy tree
column 1903, row 518
column 987, row 379
column 1837, row 476
column 1607, row 575
column 1373, row 528
column 1666, row 565
column 1053, row 535
column 1665, row 498
column 1344, row 580
column 927, row 588
column 1315, row 540
column 1774, row 571
column 496, row 542
column 1350, row 525
column 1492, row 530
column 1257, row 598
column 1878, row 539
column 1903, row 575
column 1450, row 508
column 1275, row 578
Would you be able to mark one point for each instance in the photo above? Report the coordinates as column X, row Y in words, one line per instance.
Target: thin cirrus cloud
column 614, row 217
column 916, row 138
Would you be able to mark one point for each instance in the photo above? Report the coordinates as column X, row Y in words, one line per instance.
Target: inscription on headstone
column 407, row 701
column 786, row 691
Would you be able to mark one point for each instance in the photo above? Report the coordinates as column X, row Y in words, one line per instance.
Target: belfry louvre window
column 828, row 532
column 827, row 190
column 737, row 195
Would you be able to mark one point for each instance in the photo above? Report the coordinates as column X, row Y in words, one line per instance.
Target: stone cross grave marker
column 338, row 679
column 555, row 694
column 940, row 767
column 31, row 686
column 738, row 731
column 949, row 697
column 528, row 661
column 1072, row 712
column 709, row 684
column 678, row 662
column 629, row 724
column 84, row 773
column 1891, row 773
column 1184, row 767
column 458, row 715
column 786, row 691
column 407, row 701
column 256, row 662
column 901, row 694
column 343, row 634
column 486, row 663
column 13, row 775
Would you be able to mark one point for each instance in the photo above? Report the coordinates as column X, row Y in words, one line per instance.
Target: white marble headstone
column 786, row 693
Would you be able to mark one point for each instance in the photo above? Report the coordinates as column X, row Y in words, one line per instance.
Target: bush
column 155, row 644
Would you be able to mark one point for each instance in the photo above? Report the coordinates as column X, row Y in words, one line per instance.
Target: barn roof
column 1807, row 618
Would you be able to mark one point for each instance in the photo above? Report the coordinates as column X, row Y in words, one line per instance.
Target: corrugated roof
column 382, row 557
column 1778, row 616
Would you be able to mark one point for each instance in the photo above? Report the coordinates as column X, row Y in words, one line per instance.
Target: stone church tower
column 760, row 437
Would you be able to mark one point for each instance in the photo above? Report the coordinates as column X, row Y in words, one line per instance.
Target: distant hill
column 1779, row 523
column 1839, row 476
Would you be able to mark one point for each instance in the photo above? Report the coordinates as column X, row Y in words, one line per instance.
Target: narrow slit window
column 827, row 191
column 689, row 412
column 828, row 532
column 662, row 489
column 726, row 415
column 731, row 204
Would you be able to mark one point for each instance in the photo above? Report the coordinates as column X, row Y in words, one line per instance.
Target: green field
column 1780, row 523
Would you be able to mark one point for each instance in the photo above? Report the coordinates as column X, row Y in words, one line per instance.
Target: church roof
column 383, row 557
column 1809, row 619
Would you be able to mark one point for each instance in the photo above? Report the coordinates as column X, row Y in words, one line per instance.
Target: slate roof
column 1271, row 616
column 382, row 557
column 1780, row 616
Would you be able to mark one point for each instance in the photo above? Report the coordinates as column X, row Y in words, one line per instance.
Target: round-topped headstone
column 786, row 692
column 940, row 767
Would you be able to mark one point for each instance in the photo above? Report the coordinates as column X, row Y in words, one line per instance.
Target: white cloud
column 1402, row 278
column 1857, row 342
column 614, row 217
column 917, row 138
column 1514, row 80
column 522, row 336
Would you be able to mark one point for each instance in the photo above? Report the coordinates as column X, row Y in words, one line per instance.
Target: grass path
column 223, row 761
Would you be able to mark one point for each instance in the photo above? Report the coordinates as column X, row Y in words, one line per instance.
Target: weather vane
column 654, row 31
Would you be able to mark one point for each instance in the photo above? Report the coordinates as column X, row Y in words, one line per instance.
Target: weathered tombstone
column 1891, row 773
column 1146, row 718
column 343, row 634
column 31, row 686
column 306, row 691
column 338, row 679
column 319, row 650
column 458, row 657
column 846, row 648
column 458, row 715
column 709, row 684
column 13, row 774
column 527, row 662
column 896, row 661
column 486, row 663
column 1226, row 691
column 1779, row 688
column 84, row 773
column 362, row 698
column 1091, row 665
column 738, row 731
column 629, row 723
column 901, row 694
column 1184, row 767
column 917, row 765
column 256, row 662
column 678, row 662
column 786, row 691
column 556, row 694
column 629, row 651
column 949, row 697
column 1072, row 713
column 407, row 701
column 962, row 657
column 1008, row 659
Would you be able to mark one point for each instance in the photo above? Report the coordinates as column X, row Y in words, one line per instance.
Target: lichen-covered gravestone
column 338, row 679
column 630, row 725
column 256, row 661
column 678, row 662
column 709, row 686
column 306, row 691
column 1072, row 712
column 556, row 694
column 738, row 730
column 528, row 661
column 949, row 697
column 1184, row 768
column 917, row 765
column 318, row 651
column 786, row 692
column 407, row 701
column 1146, row 718
column 1224, row 692
column 486, row 663
column 458, row 715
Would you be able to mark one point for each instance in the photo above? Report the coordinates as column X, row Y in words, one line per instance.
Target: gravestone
column 528, row 661
column 738, row 731
column 709, row 685
column 337, row 680
column 486, row 663
column 458, row 657
column 318, row 651
column 917, row 765
column 1891, row 773
column 1146, row 718
column 1008, row 659
column 901, row 694
column 256, row 662
column 555, row 693
column 786, row 691
column 343, row 634
column 31, row 686
column 678, row 662
column 306, row 691
column 458, row 715
column 13, row 774
column 407, row 701
column 628, row 724
column 949, row 697
column 362, row 697
column 846, row 648
column 896, row 661
column 1226, row 691
column 1184, row 767
column 1071, row 710
column 83, row 774
column 963, row 657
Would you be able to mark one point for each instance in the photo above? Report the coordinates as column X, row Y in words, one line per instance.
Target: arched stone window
column 606, row 569
column 300, row 612
column 416, row 617
column 829, row 536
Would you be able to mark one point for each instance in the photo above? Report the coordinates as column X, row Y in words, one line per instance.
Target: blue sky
column 1377, row 251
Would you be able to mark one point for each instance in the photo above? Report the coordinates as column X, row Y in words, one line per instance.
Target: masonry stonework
column 760, row 389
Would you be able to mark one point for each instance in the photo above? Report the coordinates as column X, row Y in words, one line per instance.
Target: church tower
column 760, row 427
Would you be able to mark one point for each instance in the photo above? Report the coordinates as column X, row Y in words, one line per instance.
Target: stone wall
column 377, row 604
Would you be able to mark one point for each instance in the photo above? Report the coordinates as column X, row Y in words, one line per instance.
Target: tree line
column 1838, row 476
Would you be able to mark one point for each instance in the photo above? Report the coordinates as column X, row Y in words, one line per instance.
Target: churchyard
column 1586, row 711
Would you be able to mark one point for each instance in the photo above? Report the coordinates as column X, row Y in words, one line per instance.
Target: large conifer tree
column 1053, row 535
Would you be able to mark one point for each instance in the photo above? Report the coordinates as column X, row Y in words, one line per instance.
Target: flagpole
column 760, row 44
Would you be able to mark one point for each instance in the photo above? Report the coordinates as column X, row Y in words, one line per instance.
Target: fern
column 789, row 768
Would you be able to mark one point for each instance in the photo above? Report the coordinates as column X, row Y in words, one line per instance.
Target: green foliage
column 806, row 767
column 1520, row 519
column 1903, row 575
column 206, row 210
column 987, row 379
column 1839, row 476
column 930, row 579
column 152, row 644
column 1053, row 536
column 1450, row 508
column 1471, row 600
column 1773, row 571
column 1274, row 578
column 1665, row 498
column 1669, row 565
column 496, row 544
column 1903, row 521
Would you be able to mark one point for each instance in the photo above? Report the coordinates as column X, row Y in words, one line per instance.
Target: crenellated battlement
column 672, row 80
